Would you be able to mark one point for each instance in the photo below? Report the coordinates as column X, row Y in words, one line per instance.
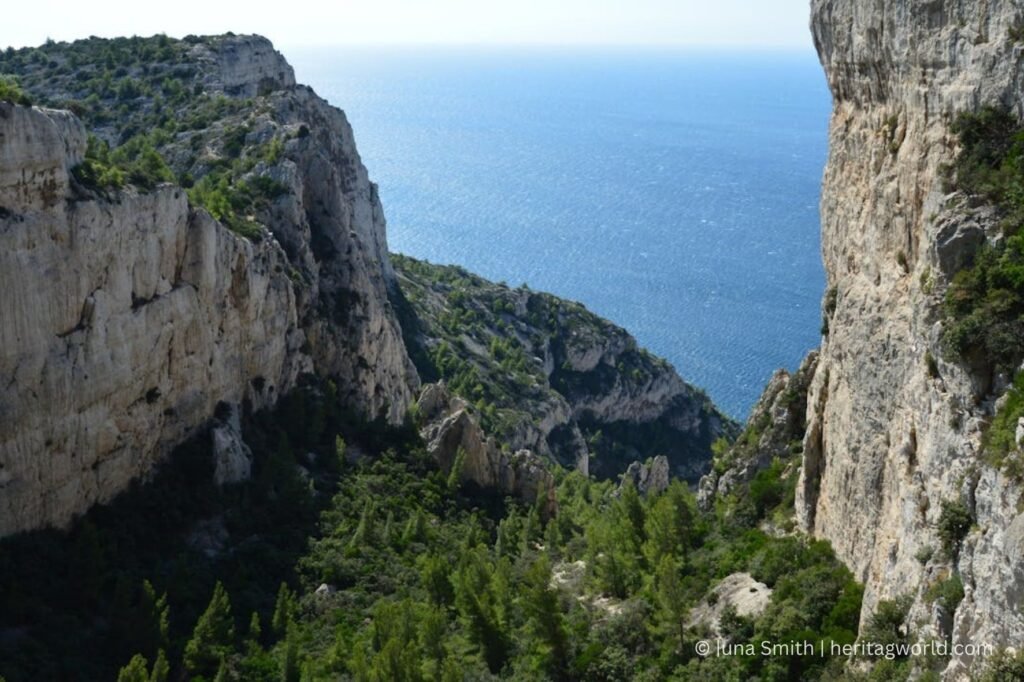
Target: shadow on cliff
column 74, row 604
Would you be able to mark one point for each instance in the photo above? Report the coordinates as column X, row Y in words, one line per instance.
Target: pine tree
column 415, row 529
column 366, row 531
column 434, row 572
column 482, row 595
column 292, row 671
column 283, row 611
column 544, row 620
column 386, row 532
column 669, row 525
column 630, row 506
column 671, row 596
column 137, row 670
column 432, row 629
column 340, row 450
column 510, row 536
column 255, row 632
column 222, row 671
column 213, row 638
column 455, row 473
column 161, row 668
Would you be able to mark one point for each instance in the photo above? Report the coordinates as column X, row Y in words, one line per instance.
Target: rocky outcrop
column 454, row 438
column 774, row 430
column 331, row 225
column 559, row 380
column 232, row 458
column 649, row 478
column 39, row 153
column 241, row 66
column 893, row 430
column 738, row 592
column 127, row 316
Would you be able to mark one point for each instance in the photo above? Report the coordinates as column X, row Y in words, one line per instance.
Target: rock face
column 649, row 478
column 232, row 458
column 124, row 324
column 451, row 428
column 889, row 438
column 774, row 429
column 125, row 319
column 242, row 66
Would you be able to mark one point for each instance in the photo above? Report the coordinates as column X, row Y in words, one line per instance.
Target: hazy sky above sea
column 746, row 23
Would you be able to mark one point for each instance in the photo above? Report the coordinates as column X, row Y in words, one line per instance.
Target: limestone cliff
column 893, row 429
column 127, row 313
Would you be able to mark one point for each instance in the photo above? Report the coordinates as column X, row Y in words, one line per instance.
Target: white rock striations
column 888, row 438
column 125, row 321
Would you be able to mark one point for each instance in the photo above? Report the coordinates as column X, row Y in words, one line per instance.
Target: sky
column 747, row 23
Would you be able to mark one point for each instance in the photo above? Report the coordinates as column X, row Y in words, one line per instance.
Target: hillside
column 548, row 375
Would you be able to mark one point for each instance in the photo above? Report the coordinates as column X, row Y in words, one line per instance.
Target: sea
column 674, row 192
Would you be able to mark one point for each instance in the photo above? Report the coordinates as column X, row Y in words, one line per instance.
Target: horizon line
column 280, row 45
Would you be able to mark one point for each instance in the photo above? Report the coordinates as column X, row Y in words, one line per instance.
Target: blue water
column 675, row 193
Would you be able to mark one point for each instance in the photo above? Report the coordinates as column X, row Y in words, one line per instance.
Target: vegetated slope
column 548, row 375
column 350, row 555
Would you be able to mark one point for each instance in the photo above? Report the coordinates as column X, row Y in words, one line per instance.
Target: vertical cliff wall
column 893, row 429
column 126, row 315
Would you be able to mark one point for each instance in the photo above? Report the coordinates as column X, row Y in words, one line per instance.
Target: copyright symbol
column 703, row 647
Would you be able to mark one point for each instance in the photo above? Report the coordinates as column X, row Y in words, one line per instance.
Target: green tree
column 455, row 474
column 433, row 628
column 887, row 624
column 284, row 609
column 482, row 598
column 434, row 572
column 255, row 630
column 11, row 92
column 366, row 531
column 213, row 637
column 954, row 523
column 137, row 670
column 545, row 622
column 161, row 668
column 223, row 674
column 668, row 525
column 291, row 669
column 672, row 602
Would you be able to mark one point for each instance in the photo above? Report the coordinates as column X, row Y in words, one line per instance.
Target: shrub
column 96, row 171
column 954, row 523
column 11, row 92
column 767, row 489
column 985, row 301
column 948, row 592
column 1000, row 440
column 887, row 624
column 1005, row 667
